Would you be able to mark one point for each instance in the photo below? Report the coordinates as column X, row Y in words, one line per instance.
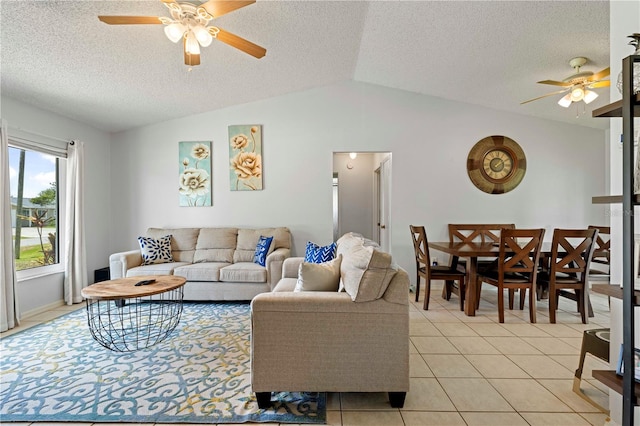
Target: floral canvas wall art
column 195, row 173
column 245, row 157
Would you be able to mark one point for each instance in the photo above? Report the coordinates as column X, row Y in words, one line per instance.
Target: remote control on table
column 145, row 282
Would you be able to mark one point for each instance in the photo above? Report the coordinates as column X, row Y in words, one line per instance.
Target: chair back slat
column 602, row 244
column 572, row 251
column 420, row 245
column 520, row 252
column 477, row 232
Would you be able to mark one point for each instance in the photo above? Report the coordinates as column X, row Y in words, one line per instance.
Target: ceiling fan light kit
column 190, row 23
column 577, row 84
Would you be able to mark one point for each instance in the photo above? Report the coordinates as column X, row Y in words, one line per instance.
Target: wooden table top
column 125, row 288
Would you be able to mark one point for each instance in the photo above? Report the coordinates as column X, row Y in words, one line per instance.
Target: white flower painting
column 245, row 157
column 194, row 181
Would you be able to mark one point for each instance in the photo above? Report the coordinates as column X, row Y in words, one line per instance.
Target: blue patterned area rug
column 199, row 374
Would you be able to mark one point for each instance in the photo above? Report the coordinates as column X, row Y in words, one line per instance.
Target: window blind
column 37, row 142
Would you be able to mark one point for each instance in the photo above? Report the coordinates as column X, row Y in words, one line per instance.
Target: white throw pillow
column 155, row 251
column 319, row 276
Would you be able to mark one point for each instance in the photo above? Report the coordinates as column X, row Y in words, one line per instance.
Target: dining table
column 472, row 251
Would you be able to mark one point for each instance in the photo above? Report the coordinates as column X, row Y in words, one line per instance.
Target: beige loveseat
column 217, row 262
column 355, row 340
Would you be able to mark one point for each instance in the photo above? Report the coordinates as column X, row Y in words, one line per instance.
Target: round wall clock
column 496, row 164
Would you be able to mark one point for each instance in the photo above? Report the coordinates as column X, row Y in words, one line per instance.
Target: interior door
column 385, row 200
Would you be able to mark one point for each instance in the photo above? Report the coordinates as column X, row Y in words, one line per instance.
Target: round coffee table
column 124, row 317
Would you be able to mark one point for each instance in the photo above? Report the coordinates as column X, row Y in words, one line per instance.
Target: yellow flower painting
column 194, row 180
column 245, row 157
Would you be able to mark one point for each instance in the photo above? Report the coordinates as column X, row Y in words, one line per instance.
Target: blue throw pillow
column 262, row 249
column 316, row 254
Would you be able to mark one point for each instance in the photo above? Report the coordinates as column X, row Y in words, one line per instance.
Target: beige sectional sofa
column 354, row 340
column 217, row 262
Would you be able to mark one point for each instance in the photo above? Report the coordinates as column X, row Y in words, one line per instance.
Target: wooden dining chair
column 599, row 270
column 430, row 272
column 517, row 268
column 485, row 233
column 475, row 232
column 571, row 254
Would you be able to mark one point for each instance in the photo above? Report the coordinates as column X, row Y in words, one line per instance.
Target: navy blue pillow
column 262, row 249
column 316, row 254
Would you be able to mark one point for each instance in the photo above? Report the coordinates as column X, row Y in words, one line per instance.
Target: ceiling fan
column 190, row 23
column 577, row 84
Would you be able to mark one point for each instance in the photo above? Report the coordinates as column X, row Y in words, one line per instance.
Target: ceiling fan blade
column 129, row 20
column 597, row 84
column 544, row 96
column 600, row 75
column 242, row 44
column 555, row 83
column 217, row 8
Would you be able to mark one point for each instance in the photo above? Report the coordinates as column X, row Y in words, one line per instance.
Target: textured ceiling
column 59, row 56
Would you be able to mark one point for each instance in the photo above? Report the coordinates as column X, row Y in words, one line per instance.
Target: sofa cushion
column 243, row 272
column 262, row 248
column 365, row 271
column 183, row 241
column 317, row 254
column 319, row 276
column 157, row 269
column 248, row 240
column 155, row 250
column 216, row 245
column 209, row 271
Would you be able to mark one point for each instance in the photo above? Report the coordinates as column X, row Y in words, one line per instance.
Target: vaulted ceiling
column 57, row 55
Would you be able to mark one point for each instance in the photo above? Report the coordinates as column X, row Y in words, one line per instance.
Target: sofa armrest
column 273, row 263
column 291, row 266
column 120, row 263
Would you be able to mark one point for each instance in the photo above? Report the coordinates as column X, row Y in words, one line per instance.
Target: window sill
column 43, row 271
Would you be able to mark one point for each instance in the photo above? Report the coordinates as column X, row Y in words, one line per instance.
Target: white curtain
column 75, row 275
column 9, row 315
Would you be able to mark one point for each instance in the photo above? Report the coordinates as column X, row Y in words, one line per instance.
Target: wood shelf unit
column 627, row 108
column 615, row 291
column 613, row 199
column 613, row 381
column 615, row 109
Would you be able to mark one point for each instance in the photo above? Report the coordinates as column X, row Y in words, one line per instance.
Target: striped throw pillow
column 316, row 254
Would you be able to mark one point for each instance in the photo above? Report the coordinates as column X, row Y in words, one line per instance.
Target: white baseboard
column 41, row 309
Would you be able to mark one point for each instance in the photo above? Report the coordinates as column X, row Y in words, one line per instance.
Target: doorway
column 361, row 195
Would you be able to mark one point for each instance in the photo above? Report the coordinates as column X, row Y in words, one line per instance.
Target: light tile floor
column 475, row 371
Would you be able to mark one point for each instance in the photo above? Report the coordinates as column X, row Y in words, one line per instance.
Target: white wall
column 428, row 137
column 33, row 294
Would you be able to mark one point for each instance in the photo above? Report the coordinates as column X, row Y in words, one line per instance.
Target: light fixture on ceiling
column 353, row 155
column 589, row 96
column 577, row 86
column 578, row 93
column 190, row 23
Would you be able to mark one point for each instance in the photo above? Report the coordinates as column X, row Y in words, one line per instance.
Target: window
column 35, row 177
